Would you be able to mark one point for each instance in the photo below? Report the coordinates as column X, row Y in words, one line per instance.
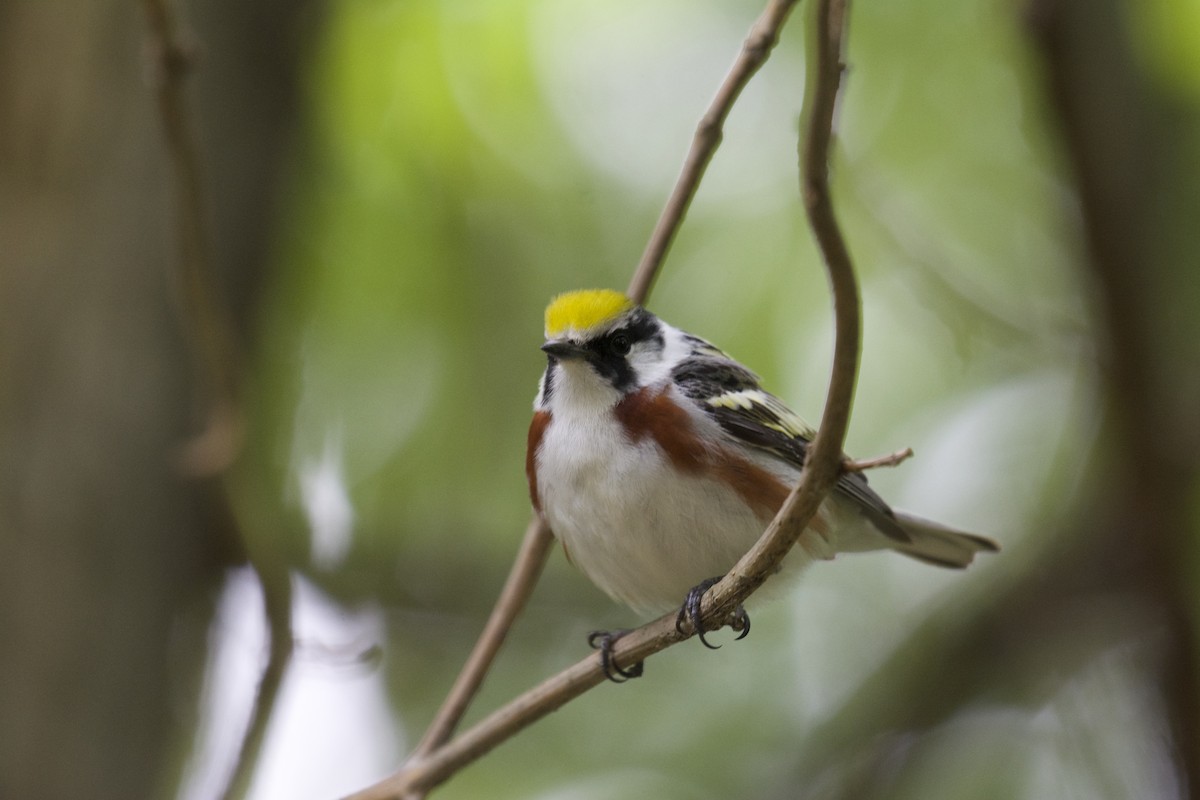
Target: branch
column 890, row 460
column 208, row 325
column 520, row 584
column 206, row 321
column 824, row 465
column 755, row 50
column 763, row 36
column 277, row 608
column 420, row 775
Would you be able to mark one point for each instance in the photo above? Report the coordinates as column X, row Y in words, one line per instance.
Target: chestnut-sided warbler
column 657, row 461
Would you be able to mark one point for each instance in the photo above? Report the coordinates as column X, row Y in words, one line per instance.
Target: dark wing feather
column 731, row 394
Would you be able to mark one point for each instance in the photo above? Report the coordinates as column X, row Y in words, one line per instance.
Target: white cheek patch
column 647, row 363
column 652, row 363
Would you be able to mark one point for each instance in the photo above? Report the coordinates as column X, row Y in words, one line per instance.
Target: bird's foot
column 689, row 612
column 604, row 641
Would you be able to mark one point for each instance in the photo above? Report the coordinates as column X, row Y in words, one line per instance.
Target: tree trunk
column 107, row 547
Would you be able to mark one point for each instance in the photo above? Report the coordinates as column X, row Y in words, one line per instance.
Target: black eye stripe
column 614, row 368
column 608, row 354
column 641, row 327
column 548, row 380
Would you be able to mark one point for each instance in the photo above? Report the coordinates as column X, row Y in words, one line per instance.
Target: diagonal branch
column 276, row 586
column 756, row 50
column 522, row 578
column 824, row 466
column 535, row 548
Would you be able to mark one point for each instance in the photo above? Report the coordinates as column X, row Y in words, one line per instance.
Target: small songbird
column 658, row 461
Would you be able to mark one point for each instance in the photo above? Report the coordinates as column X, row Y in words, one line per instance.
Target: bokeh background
column 393, row 190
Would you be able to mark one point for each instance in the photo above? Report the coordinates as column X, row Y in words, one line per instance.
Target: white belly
column 641, row 531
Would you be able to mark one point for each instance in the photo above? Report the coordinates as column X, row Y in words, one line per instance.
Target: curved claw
column 740, row 622
column 603, row 641
column 694, row 598
column 690, row 612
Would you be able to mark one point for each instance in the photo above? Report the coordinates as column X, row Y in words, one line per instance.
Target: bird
column 657, row 461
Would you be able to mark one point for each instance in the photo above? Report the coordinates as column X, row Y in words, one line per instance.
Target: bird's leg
column 690, row 612
column 603, row 641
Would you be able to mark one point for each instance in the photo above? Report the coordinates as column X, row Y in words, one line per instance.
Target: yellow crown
column 584, row 310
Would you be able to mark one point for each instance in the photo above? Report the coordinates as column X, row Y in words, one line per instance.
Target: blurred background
column 393, row 189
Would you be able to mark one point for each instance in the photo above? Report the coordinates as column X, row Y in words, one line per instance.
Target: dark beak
column 561, row 349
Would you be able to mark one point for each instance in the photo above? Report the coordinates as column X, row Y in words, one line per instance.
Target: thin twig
column 420, row 775
column 823, row 468
column 824, row 463
column 521, row 580
column 755, row 50
column 763, row 36
column 208, row 325
column 206, row 320
column 890, row 460
column 277, row 608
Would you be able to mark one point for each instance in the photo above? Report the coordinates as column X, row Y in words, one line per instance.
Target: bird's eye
column 620, row 344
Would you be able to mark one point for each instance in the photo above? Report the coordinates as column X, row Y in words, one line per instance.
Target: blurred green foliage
column 468, row 160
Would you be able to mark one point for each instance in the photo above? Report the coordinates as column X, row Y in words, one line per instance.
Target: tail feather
column 939, row 544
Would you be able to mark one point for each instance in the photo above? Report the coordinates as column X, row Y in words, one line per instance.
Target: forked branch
column 823, row 465
column 755, row 51
column 536, row 546
column 428, row 769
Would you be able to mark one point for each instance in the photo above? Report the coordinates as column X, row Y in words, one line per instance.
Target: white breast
column 640, row 530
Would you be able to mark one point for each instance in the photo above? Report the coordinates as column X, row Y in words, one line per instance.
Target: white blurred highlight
column 332, row 730
column 326, row 503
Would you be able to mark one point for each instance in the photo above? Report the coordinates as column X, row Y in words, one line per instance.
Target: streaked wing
column 731, row 394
